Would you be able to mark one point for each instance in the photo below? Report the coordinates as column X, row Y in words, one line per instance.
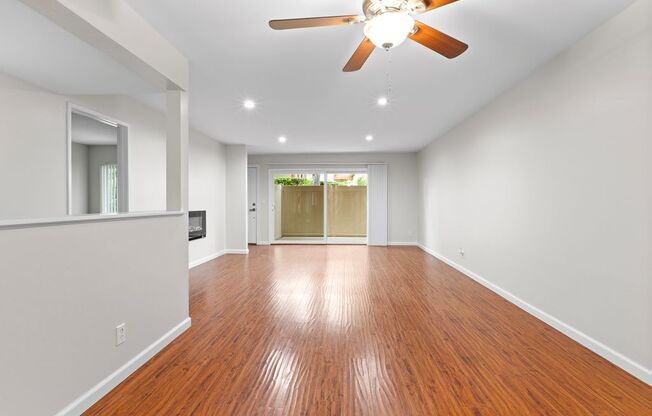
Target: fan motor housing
column 372, row 8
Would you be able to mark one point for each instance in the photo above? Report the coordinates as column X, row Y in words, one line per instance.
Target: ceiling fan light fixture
column 387, row 24
column 390, row 29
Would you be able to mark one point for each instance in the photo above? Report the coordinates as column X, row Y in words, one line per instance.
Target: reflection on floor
column 356, row 330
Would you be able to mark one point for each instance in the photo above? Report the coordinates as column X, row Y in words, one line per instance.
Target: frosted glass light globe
column 389, row 30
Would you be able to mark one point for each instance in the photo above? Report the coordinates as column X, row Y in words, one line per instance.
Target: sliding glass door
column 347, row 207
column 299, row 206
column 318, row 207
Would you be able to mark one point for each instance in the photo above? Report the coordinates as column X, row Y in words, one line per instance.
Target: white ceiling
column 295, row 76
column 34, row 49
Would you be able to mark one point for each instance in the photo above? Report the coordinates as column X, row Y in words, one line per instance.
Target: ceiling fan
column 387, row 23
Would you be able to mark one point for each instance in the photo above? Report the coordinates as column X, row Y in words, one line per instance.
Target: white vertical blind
column 377, row 189
column 109, row 188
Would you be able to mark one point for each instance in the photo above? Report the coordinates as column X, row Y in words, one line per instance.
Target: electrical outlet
column 120, row 334
column 462, row 252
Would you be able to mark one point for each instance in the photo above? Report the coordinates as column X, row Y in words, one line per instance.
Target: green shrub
column 287, row 181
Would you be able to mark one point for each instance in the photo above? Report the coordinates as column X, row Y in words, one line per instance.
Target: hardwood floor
column 351, row 330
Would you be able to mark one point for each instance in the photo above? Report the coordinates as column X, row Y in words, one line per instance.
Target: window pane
column 299, row 202
column 347, row 205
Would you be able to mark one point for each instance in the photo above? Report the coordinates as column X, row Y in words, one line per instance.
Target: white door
column 252, row 204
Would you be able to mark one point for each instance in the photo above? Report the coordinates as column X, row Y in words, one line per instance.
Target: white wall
column 402, row 192
column 33, row 156
column 35, row 153
column 65, row 287
column 79, row 178
column 63, row 291
column 88, row 130
column 207, row 191
column 548, row 189
column 33, row 160
column 236, row 197
column 146, row 147
column 207, row 168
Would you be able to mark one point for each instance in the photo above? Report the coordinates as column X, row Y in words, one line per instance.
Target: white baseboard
column 627, row 364
column 236, row 251
column 206, row 259
column 403, row 243
column 214, row 256
column 98, row 391
column 263, row 243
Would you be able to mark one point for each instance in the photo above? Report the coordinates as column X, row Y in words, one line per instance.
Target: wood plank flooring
column 352, row 330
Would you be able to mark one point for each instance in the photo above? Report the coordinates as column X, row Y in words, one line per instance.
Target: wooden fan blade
column 435, row 4
column 359, row 56
column 438, row 41
column 315, row 22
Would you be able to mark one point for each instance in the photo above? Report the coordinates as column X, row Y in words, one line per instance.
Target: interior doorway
column 97, row 163
column 252, row 205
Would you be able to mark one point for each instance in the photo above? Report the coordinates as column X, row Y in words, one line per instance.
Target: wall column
column 177, row 131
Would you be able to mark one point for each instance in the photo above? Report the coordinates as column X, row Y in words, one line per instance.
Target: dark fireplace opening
column 196, row 225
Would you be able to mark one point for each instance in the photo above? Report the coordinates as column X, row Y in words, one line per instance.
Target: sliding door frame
column 321, row 170
column 271, row 215
column 345, row 240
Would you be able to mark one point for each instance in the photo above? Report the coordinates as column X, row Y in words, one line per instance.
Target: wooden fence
column 302, row 211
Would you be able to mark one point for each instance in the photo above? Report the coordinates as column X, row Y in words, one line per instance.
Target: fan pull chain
column 388, row 78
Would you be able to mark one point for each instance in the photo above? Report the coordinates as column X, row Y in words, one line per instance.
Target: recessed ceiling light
column 382, row 101
column 369, row 137
column 249, row 104
column 282, row 139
